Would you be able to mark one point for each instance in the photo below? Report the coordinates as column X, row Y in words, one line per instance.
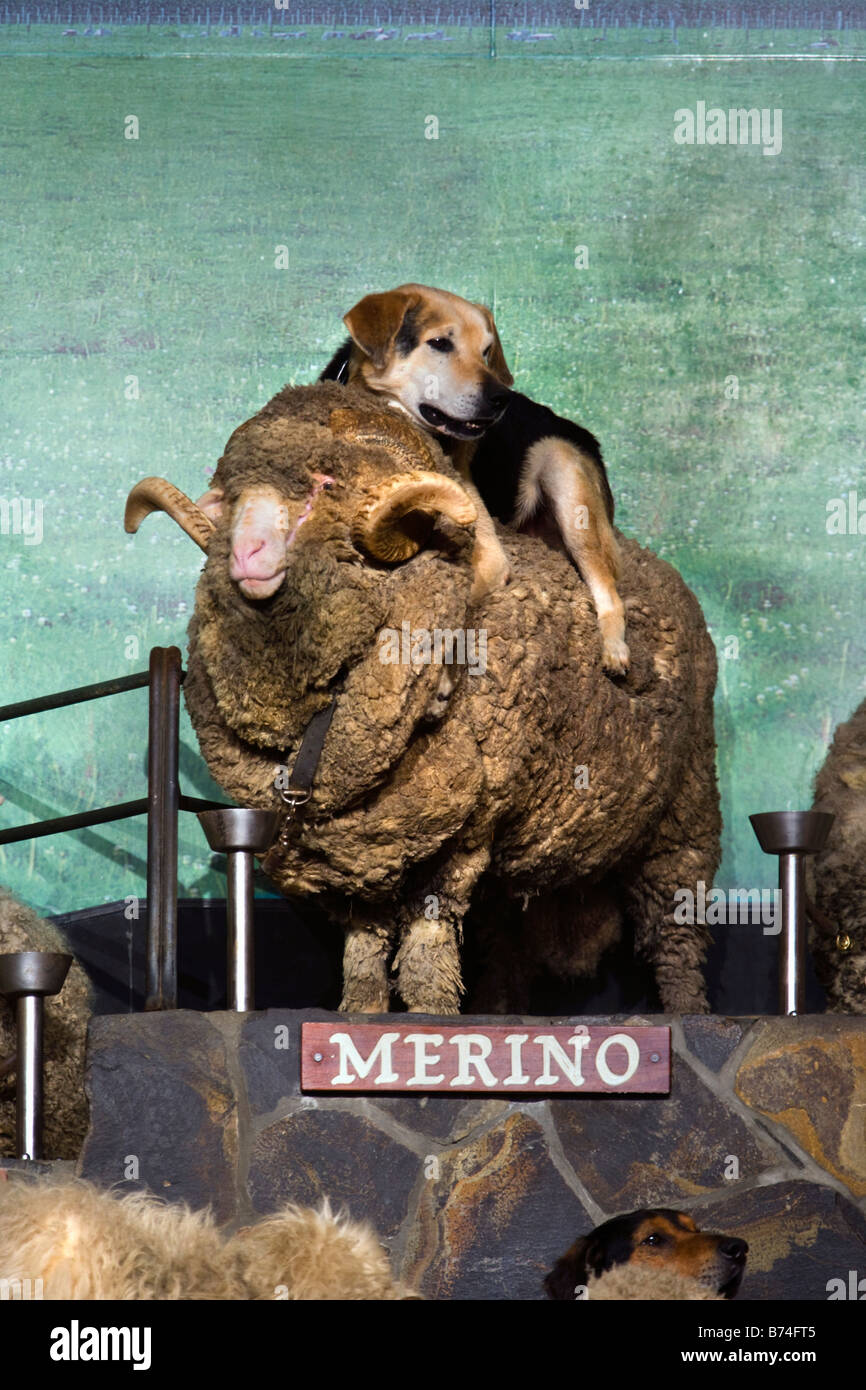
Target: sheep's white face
column 260, row 528
column 264, row 528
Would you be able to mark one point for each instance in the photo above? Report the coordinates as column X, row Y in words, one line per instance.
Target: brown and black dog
column 437, row 358
column 653, row 1238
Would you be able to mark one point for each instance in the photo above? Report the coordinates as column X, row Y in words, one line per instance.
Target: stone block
column 712, row 1040
column 335, row 1153
column 634, row 1151
column 494, row 1220
column 160, row 1092
column 270, row 1056
column 808, row 1075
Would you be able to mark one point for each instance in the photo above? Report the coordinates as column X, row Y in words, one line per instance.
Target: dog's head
column 652, row 1238
column 435, row 355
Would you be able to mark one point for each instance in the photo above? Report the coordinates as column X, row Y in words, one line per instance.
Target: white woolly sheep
column 83, row 1243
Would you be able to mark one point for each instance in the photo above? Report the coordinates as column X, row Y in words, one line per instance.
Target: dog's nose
column 497, row 396
column 735, row 1249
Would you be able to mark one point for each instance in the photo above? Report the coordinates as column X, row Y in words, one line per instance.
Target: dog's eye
column 441, row 344
column 654, row 1239
column 487, row 351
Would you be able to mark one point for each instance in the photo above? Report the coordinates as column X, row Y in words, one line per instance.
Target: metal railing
column 164, row 800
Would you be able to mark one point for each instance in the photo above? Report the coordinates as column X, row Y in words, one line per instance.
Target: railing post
column 239, row 833
column 27, row 977
column 163, row 794
column 791, row 835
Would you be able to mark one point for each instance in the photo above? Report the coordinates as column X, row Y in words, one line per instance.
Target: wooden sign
column 516, row 1059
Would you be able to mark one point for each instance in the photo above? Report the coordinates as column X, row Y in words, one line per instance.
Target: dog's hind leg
column 569, row 481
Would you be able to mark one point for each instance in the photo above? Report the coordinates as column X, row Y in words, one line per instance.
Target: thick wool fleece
column 836, row 878
column 539, row 778
column 87, row 1244
column 67, row 1015
column 636, row 1283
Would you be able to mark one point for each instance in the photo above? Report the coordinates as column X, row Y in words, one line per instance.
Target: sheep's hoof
column 694, row 1004
column 365, row 1003
column 437, row 1011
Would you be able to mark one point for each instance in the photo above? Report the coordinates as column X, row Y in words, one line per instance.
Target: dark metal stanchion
column 240, row 834
column 791, row 835
column 163, row 795
column 164, row 677
column 28, row 977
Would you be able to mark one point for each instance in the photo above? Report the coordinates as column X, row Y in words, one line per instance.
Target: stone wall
column 763, row 1136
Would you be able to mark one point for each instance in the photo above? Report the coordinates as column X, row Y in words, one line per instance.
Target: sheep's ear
column 496, row 361
column 376, row 320
column 211, row 503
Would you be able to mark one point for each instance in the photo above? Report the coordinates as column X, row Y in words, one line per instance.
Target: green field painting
column 696, row 306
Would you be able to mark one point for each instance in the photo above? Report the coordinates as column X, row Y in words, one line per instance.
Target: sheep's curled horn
column 157, row 495
column 378, row 528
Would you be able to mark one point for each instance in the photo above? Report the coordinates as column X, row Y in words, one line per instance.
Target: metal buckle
column 295, row 796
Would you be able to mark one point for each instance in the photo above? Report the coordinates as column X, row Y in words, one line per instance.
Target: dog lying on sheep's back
column 332, row 529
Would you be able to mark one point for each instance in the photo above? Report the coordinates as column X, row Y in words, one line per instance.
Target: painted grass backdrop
column 154, row 260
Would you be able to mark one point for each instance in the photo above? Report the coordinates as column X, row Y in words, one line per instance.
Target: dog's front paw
column 492, row 570
column 615, row 656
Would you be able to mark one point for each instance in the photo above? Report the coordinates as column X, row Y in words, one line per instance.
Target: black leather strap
column 301, row 780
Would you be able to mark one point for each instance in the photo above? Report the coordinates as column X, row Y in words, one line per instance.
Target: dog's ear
column 569, row 1273
column 376, row 320
column 496, row 361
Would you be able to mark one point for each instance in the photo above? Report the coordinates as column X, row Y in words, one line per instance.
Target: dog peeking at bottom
column 654, row 1243
column 437, row 358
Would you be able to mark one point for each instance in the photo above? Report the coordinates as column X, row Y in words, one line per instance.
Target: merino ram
column 339, row 543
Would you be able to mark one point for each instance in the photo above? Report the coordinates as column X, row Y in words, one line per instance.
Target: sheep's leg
column 676, row 950
column 428, row 970
column 428, row 967
column 679, row 970
column 685, row 852
column 366, row 955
